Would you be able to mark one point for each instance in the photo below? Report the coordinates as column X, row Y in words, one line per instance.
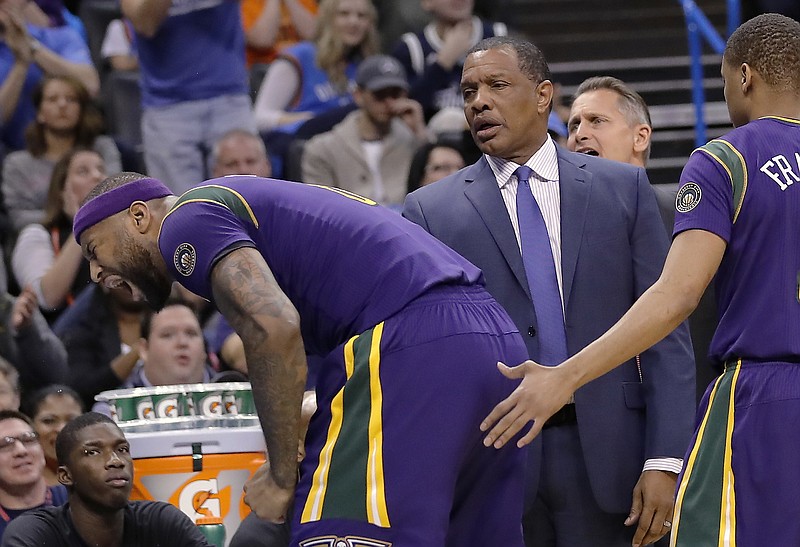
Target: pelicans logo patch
column 688, row 197
column 185, row 258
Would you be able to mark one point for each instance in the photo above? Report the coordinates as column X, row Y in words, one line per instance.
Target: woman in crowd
column 431, row 162
column 51, row 408
column 311, row 78
column 65, row 119
column 46, row 257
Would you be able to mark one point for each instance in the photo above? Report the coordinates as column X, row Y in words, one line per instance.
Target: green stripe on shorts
column 346, row 492
column 705, row 506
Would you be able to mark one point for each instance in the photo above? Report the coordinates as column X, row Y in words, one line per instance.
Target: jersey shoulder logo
column 688, row 197
column 185, row 259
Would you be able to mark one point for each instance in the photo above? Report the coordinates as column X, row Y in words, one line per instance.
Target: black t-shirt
column 147, row 524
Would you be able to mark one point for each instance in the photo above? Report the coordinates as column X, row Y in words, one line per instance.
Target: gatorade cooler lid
column 115, row 394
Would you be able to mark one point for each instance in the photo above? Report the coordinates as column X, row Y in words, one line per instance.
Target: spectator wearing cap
column 370, row 151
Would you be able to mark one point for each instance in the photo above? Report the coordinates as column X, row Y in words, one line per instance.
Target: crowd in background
column 358, row 94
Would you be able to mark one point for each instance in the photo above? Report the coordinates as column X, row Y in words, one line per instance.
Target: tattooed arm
column 248, row 296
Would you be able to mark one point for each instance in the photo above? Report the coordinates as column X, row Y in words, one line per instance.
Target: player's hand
column 266, row 499
column 541, row 393
column 653, row 503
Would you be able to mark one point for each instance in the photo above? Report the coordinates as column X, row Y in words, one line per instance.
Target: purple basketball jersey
column 745, row 188
column 344, row 262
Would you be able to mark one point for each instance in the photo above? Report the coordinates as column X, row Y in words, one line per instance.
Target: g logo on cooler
column 167, row 408
column 144, row 410
column 185, row 259
column 212, row 405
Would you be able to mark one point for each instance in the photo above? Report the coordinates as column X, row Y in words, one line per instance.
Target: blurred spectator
column 434, row 57
column 238, row 152
column 396, row 18
column 312, row 78
column 46, row 257
column 22, row 483
column 26, row 341
column 272, row 25
column 432, row 162
column 97, row 469
column 117, row 48
column 27, row 53
column 53, row 13
column 172, row 349
column 9, row 386
column 100, row 331
column 194, row 83
column 370, row 151
column 65, row 118
column 50, row 409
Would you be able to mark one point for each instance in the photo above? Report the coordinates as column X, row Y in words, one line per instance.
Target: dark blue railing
column 698, row 27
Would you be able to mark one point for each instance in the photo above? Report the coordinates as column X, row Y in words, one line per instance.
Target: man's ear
column 641, row 137
column 64, row 476
column 139, row 213
column 544, row 96
column 746, row 75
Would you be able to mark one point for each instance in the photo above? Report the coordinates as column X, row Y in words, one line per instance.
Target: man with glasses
column 22, row 484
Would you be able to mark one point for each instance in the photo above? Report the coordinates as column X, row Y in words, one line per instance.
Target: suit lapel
column 482, row 191
column 576, row 185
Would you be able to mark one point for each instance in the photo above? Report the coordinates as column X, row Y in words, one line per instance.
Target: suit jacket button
column 531, row 331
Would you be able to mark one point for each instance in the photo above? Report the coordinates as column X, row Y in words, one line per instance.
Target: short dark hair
column 112, row 182
column 530, row 58
column 15, row 415
column 243, row 133
column 147, row 318
column 34, row 401
column 67, row 438
column 770, row 44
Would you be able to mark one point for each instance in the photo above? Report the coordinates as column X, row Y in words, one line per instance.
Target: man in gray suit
column 611, row 458
column 609, row 119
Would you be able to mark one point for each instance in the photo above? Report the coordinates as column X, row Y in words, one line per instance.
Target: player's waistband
column 452, row 293
column 789, row 360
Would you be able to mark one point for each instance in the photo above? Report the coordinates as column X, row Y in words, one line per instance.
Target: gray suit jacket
column 613, row 248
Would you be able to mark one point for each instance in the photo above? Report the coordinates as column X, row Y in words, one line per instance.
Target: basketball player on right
column 738, row 216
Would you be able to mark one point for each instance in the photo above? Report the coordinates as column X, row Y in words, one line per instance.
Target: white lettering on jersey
column 785, row 175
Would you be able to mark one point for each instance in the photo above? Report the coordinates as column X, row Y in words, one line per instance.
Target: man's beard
column 138, row 268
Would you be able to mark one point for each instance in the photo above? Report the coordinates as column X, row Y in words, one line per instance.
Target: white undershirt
column 373, row 152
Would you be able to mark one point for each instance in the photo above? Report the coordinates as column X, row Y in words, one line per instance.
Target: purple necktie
column 538, row 260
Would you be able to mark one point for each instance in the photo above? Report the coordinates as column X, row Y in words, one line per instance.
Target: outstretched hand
column 542, row 391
